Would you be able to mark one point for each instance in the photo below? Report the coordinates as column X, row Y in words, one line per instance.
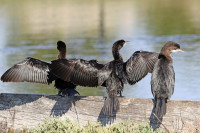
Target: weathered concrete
column 19, row 110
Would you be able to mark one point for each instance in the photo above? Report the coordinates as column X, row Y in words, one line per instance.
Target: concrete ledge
column 19, row 110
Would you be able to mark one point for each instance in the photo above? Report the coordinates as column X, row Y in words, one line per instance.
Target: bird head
column 171, row 47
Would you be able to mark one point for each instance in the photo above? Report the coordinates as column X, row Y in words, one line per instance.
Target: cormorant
column 37, row 71
column 112, row 75
column 163, row 78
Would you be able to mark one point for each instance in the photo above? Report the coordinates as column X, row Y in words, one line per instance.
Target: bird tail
column 161, row 107
column 111, row 105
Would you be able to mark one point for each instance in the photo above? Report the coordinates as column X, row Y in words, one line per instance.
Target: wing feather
column 79, row 71
column 139, row 65
column 29, row 70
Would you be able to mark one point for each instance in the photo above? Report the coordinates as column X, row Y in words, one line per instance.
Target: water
column 32, row 28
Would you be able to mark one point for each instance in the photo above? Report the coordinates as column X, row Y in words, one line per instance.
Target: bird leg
column 68, row 92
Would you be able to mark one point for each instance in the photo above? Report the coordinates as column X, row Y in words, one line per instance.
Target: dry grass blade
column 161, row 123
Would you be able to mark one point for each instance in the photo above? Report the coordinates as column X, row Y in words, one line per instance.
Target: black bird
column 112, row 75
column 163, row 78
column 92, row 74
column 37, row 71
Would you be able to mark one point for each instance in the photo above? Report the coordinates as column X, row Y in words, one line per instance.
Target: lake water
column 32, row 28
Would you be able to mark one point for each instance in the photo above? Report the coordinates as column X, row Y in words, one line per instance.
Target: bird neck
column 165, row 52
column 165, row 55
column 62, row 54
column 117, row 56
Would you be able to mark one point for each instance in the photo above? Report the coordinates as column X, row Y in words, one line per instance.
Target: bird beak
column 177, row 50
column 127, row 42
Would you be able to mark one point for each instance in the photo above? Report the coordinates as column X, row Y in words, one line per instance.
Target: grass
column 56, row 125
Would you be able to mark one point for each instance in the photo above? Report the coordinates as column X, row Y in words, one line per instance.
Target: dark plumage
column 139, row 65
column 36, row 71
column 112, row 75
column 163, row 78
column 93, row 74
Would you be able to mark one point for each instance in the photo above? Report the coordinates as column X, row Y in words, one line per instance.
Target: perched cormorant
column 36, row 71
column 92, row 74
column 163, row 78
column 112, row 75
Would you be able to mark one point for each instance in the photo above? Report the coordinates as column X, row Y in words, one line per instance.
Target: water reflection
column 32, row 28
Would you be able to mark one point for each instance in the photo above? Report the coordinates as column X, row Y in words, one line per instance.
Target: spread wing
column 139, row 65
column 80, row 72
column 29, row 70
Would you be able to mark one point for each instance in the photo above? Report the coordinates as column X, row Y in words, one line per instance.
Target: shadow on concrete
column 9, row 100
column 64, row 104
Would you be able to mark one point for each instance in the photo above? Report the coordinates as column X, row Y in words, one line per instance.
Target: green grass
column 57, row 125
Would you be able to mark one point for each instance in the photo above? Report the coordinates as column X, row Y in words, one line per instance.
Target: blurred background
column 90, row 27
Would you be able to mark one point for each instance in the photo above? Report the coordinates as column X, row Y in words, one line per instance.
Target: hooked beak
column 177, row 50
